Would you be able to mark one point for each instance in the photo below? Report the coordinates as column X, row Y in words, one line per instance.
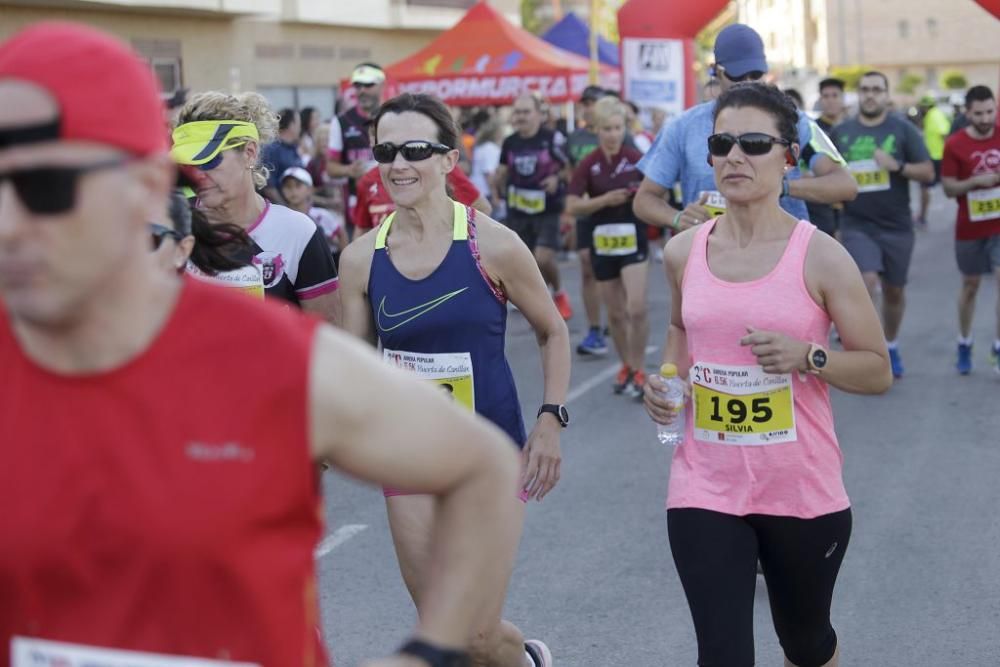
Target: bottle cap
column 668, row 370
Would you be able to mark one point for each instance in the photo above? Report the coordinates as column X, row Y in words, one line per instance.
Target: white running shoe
column 538, row 652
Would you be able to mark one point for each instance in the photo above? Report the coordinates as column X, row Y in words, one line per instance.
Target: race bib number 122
column 742, row 405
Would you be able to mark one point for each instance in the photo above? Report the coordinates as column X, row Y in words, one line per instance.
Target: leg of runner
column 634, row 278
column 966, row 309
column 594, row 343
column 995, row 352
column 613, row 295
column 411, row 518
column 546, row 258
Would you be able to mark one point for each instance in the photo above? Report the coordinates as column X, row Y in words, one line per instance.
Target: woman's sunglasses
column 751, row 143
column 159, row 232
column 52, row 190
column 412, row 151
column 217, row 160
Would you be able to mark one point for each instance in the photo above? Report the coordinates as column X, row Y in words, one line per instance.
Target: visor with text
column 202, row 141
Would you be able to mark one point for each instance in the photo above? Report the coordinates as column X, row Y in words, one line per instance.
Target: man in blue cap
column 680, row 151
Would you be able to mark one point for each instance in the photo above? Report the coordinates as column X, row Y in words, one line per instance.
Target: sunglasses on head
column 52, row 190
column 412, row 151
column 159, row 232
column 751, row 143
column 749, row 76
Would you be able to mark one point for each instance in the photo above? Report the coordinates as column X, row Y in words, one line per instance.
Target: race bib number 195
column 742, row 405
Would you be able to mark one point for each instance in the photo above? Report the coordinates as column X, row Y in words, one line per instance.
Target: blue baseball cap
column 739, row 49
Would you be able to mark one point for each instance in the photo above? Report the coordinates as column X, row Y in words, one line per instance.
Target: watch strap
column 434, row 655
column 556, row 411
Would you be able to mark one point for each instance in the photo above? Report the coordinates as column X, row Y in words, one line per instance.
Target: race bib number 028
column 984, row 205
column 27, row 652
column 869, row 176
column 742, row 405
column 615, row 239
column 452, row 372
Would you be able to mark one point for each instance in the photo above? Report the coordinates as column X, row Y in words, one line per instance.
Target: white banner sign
column 653, row 70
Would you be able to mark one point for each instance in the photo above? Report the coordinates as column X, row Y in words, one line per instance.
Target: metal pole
column 595, row 8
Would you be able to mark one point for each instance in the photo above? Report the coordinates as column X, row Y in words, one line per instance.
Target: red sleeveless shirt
column 169, row 506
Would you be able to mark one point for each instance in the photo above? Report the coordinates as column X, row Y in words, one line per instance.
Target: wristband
column 902, row 166
column 435, row 656
column 784, row 187
column 676, row 224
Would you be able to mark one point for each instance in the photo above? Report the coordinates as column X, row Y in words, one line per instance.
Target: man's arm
column 831, row 183
column 381, row 425
column 499, row 182
column 954, row 187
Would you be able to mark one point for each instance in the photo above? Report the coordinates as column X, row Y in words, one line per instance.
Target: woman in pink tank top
column 758, row 475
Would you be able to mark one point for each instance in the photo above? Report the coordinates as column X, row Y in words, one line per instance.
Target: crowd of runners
column 155, row 265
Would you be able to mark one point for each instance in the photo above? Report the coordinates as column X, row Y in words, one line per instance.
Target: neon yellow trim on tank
column 460, row 230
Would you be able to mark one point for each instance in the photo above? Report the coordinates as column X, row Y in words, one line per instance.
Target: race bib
column 869, row 176
column 716, row 203
column 742, row 405
column 246, row 279
column 984, row 204
column 615, row 239
column 27, row 652
column 526, row 201
column 452, row 372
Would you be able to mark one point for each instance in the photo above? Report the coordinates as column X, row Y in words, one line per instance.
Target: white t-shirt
column 485, row 160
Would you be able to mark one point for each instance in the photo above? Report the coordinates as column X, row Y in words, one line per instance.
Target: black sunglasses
column 52, row 190
column 412, row 151
column 159, row 232
column 749, row 76
column 751, row 143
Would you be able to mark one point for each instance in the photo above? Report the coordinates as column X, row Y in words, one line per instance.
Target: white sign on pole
column 654, row 72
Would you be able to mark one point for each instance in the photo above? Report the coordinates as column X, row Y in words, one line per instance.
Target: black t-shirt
column 530, row 161
column 353, row 141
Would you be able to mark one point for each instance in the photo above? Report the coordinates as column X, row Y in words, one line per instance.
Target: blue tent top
column 572, row 34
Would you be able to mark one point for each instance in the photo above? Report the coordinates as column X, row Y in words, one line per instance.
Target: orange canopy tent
column 486, row 59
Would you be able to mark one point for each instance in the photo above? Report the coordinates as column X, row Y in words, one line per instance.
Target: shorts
column 609, row 267
column 937, row 175
column 716, row 557
column 584, row 234
column 540, row 230
column 886, row 252
column 978, row 256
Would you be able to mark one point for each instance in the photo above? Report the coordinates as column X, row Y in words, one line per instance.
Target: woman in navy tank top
column 430, row 287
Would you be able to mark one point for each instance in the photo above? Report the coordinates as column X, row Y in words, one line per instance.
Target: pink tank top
column 755, row 443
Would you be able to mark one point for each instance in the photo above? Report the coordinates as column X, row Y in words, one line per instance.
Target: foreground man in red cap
column 158, row 491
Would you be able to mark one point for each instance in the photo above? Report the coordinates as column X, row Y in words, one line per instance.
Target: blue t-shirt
column 680, row 153
column 277, row 157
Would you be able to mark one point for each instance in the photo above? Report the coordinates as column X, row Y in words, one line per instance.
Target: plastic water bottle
column 673, row 433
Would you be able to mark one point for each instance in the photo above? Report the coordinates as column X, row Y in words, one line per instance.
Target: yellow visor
column 201, row 141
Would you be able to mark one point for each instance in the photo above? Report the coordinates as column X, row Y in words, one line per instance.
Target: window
column 168, row 73
column 904, row 29
column 932, row 26
column 164, row 57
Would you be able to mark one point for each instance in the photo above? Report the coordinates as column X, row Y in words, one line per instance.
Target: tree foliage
column 850, row 75
column 954, row 79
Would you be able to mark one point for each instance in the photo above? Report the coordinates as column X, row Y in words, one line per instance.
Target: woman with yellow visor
column 221, row 136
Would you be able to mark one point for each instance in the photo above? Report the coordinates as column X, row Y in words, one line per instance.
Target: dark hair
column 425, row 105
column 307, row 115
column 977, row 94
column 215, row 246
column 286, row 117
column 877, row 73
column 796, row 97
column 831, row 82
column 768, row 99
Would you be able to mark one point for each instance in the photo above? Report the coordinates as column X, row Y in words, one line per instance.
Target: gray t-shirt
column 883, row 198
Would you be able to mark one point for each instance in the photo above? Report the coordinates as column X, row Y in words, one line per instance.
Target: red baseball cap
column 106, row 93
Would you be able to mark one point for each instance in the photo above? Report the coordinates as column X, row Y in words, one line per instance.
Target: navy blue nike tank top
column 449, row 327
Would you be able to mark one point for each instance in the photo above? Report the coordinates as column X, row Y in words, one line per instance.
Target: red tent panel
column 485, row 59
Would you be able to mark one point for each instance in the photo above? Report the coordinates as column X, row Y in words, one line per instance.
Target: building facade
column 295, row 52
column 906, row 39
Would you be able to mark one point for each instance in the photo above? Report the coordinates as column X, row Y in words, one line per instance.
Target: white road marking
column 599, row 379
column 338, row 537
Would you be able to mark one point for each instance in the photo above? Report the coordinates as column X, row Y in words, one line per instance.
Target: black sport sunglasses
column 754, row 75
column 412, row 151
column 52, row 190
column 751, row 143
column 159, row 232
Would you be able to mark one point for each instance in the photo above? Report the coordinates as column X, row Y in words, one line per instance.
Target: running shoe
column 897, row 363
column 964, row 363
column 538, row 652
column 593, row 344
column 563, row 304
column 995, row 358
column 623, row 379
column 636, row 384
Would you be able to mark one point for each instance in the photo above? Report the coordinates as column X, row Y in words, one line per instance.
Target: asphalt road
column 920, row 585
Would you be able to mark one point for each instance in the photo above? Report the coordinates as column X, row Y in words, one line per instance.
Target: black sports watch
column 435, row 656
column 560, row 411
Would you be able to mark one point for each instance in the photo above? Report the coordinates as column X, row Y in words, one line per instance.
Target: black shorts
column 540, row 230
column 609, row 258
column 937, row 175
column 716, row 556
column 584, row 234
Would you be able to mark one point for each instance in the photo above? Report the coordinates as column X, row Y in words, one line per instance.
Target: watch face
column 819, row 358
column 563, row 415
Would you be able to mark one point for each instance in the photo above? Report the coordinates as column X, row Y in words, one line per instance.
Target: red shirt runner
column 375, row 204
column 965, row 157
column 169, row 506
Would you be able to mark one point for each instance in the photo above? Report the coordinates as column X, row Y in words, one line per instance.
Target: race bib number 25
column 742, row 405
